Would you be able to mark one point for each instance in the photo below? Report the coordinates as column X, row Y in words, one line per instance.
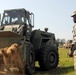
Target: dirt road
column 9, row 73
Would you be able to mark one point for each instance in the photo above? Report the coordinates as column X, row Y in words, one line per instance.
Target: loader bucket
column 7, row 38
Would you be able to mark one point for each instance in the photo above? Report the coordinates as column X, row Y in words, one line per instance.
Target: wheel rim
column 51, row 58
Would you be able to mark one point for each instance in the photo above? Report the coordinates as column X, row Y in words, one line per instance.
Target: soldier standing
column 73, row 47
column 74, row 39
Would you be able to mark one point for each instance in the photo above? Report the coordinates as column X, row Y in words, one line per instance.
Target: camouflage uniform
column 74, row 38
column 74, row 27
column 73, row 47
column 74, row 33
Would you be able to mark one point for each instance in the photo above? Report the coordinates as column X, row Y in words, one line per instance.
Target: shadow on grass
column 57, row 71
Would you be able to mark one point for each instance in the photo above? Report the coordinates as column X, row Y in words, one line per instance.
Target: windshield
column 13, row 17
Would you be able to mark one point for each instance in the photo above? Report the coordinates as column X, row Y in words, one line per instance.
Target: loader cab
column 14, row 19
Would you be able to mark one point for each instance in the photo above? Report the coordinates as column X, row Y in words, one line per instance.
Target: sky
column 54, row 14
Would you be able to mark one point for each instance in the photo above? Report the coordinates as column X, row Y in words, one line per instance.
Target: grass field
column 65, row 67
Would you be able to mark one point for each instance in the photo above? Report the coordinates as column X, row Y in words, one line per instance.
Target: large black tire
column 48, row 57
column 30, row 59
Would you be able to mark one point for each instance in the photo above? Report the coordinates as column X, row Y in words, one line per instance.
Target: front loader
column 36, row 45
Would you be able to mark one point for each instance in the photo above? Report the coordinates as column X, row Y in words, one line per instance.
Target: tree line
column 60, row 42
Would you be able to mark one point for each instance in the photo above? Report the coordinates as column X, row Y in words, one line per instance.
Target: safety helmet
column 73, row 14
